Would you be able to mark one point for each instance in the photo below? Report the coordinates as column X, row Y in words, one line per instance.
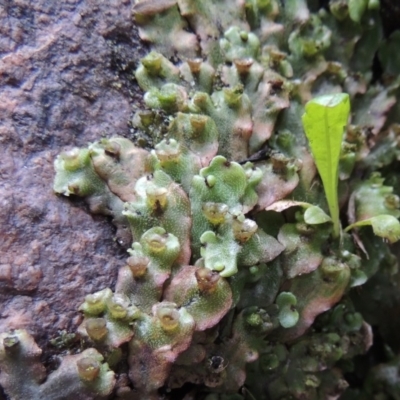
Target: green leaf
column 385, row 226
column 288, row 316
column 358, row 278
column 315, row 215
column 324, row 121
column 357, row 9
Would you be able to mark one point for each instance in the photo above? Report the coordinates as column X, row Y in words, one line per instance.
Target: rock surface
column 64, row 81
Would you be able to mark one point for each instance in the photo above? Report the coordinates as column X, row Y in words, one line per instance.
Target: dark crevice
column 390, row 14
column 179, row 393
column 363, row 363
column 377, row 70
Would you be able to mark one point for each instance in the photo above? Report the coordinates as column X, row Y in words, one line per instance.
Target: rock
column 64, row 81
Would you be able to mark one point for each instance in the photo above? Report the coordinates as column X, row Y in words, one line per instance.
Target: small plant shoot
column 385, row 226
column 324, row 121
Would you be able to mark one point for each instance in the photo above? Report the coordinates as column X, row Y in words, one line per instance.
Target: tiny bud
column 96, row 328
column 10, row 343
column 168, row 98
column 118, row 305
column 198, row 123
column 331, row 269
column 216, row 364
column 243, row 231
column 152, row 63
column 95, row 303
column 254, row 270
column 168, row 316
column 168, row 150
column 244, row 36
column 156, row 243
column 88, row 368
column 312, row 381
column 219, row 266
column 304, row 229
column 257, row 320
column 254, row 320
column 71, row 159
column 392, row 202
column 279, row 162
column 138, row 265
column 354, row 320
column 215, row 212
column 207, row 280
column 286, row 69
column 200, row 99
column 133, row 313
column 194, row 65
column 243, row 65
column 146, row 118
column 276, row 55
column 211, row 181
column 253, row 175
column 74, row 188
column 376, row 180
column 233, row 96
column 345, row 254
column 112, row 149
column 156, row 197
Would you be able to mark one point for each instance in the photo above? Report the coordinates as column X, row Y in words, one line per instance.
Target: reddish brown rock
column 65, row 72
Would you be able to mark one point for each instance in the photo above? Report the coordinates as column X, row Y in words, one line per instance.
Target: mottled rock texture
column 64, row 81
